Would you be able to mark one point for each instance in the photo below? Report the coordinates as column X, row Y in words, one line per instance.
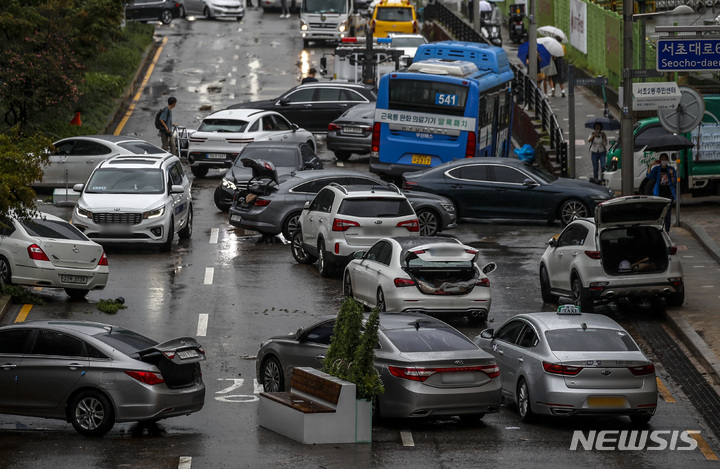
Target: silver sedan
column 572, row 363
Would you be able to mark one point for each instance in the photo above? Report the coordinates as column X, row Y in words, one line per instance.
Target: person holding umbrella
column 665, row 179
column 598, row 149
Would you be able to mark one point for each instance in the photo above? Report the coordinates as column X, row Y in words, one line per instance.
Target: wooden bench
column 318, row 408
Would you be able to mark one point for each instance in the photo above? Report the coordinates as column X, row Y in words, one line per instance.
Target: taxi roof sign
column 569, row 309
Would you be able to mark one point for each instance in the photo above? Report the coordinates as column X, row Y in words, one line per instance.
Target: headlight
column 303, row 25
column 154, row 213
column 342, row 27
column 227, row 183
column 82, row 212
column 448, row 207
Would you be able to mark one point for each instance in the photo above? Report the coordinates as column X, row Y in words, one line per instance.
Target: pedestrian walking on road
column 561, row 76
column 598, row 150
column 168, row 143
column 285, row 13
column 550, row 71
column 664, row 178
column 311, row 76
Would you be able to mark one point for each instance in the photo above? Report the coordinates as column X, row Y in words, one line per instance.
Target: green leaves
column 21, row 160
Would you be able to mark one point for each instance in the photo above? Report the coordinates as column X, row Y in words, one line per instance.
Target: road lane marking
column 667, row 397
column 257, row 387
column 407, row 439
column 131, row 108
column 185, row 462
column 232, row 82
column 214, row 235
column 702, row 445
column 209, row 272
column 202, row 325
column 23, row 313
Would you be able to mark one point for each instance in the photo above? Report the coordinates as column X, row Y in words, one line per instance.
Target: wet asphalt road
column 250, row 288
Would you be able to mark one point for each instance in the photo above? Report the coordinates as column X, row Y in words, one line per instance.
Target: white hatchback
column 622, row 253
column 222, row 135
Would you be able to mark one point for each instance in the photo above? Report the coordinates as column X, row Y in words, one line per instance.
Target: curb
column 699, row 233
column 696, row 344
column 5, row 302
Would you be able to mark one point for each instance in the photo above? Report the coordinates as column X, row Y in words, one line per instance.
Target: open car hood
column 632, row 210
column 180, row 351
column 261, row 169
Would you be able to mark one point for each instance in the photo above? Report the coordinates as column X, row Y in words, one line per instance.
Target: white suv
column 343, row 219
column 135, row 199
column 622, row 253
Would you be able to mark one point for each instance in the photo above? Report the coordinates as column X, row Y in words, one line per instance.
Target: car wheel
column 547, row 297
column 580, row 297
column 92, row 414
column 186, row 231
column 272, row 375
column 199, row 171
column 640, row 419
column 217, row 197
column 571, row 209
column 167, row 245
column 291, row 224
column 166, row 17
column 676, row 299
column 343, row 155
column 5, row 272
column 324, row 267
column 347, row 285
column 181, row 10
column 298, row 252
column 207, row 13
column 429, row 222
column 380, row 303
column 76, row 293
column 523, row 402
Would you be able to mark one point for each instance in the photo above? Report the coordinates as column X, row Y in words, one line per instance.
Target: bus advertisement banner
column 427, row 120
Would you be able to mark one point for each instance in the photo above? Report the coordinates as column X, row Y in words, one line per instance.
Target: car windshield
column 127, row 342
column 394, row 14
column 590, row 340
column 401, row 41
column 141, row 148
column 428, row 340
column 540, row 174
column 52, row 229
column 285, row 157
column 126, row 181
column 222, row 125
column 324, row 6
column 375, row 207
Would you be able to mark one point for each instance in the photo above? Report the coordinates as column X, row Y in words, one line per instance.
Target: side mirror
column 176, row 189
column 78, row 187
column 489, row 267
column 284, row 101
column 295, row 127
column 323, row 62
column 358, row 254
column 299, row 333
column 552, row 242
column 530, row 183
column 487, row 333
column 307, row 205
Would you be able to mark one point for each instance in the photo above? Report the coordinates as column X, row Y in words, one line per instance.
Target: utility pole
column 627, row 144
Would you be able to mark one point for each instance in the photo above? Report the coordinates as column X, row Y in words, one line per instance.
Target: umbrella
column 552, row 45
column 484, row 6
column 541, row 50
column 607, row 123
column 553, row 32
column 669, row 142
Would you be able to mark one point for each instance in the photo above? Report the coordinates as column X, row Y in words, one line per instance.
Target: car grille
column 128, row 218
column 323, row 25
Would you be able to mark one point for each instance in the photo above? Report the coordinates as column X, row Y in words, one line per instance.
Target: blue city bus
column 454, row 101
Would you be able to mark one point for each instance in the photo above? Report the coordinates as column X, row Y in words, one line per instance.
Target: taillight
column 421, row 374
column 342, row 225
column 642, row 370
column 415, row 27
column 673, row 250
column 408, row 185
column 103, row 259
column 403, row 282
column 372, row 26
column 483, row 282
column 147, row 377
column 471, row 145
column 333, row 126
column 36, row 253
column 593, row 254
column 561, row 369
column 169, row 355
column 471, row 251
column 261, row 202
column 375, row 142
column 418, row 251
column 410, row 225
column 677, row 281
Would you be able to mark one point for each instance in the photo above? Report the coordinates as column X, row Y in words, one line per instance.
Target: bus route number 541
column 446, row 99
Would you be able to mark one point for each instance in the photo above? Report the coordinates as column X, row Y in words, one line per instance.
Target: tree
column 19, row 169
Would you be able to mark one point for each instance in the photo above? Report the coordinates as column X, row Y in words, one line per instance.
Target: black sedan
column 284, row 157
column 154, row 10
column 314, row 105
column 352, row 132
column 278, row 209
column 508, row 188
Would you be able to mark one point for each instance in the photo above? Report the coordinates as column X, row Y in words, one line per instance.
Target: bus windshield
column 324, row 6
column 427, row 96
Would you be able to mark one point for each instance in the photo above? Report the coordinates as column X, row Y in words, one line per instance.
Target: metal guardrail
column 526, row 90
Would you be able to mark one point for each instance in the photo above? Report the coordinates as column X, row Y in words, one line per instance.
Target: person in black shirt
column 311, row 76
column 665, row 179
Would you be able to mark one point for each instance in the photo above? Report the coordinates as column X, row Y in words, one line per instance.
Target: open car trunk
column 442, row 269
column 633, row 250
column 178, row 360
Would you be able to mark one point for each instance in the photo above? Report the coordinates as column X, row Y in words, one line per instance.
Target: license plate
column 458, row 377
column 183, row 354
column 421, row 159
column 352, row 130
column 607, row 402
column 237, row 218
column 216, row 156
column 73, row 279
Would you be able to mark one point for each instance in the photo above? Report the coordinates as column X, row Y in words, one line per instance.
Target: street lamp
column 627, row 121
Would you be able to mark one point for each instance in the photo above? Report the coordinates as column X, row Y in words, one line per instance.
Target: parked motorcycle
column 490, row 30
column 516, row 27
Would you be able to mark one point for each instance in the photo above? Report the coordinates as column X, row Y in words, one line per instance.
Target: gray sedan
column 427, row 367
column 94, row 374
column 572, row 363
column 278, row 211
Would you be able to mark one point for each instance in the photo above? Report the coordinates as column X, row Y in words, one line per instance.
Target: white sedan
column 47, row 251
column 432, row 275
